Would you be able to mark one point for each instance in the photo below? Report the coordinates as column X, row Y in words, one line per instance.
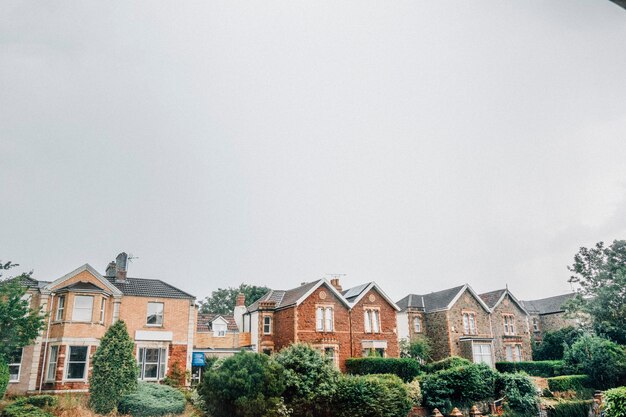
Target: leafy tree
column 4, row 378
column 600, row 273
column 603, row 360
column 114, row 369
column 222, row 300
column 417, row 348
column 552, row 345
column 520, row 393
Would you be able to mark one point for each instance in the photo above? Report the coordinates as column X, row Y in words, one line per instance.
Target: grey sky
column 418, row 144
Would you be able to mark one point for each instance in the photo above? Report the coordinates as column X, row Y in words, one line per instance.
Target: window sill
column 154, row 325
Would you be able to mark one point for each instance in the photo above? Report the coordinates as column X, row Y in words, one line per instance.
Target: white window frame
column 469, row 323
column 60, row 311
column 161, row 362
column 417, row 324
column 102, row 309
column 509, row 324
column 267, row 324
column 481, row 355
column 17, row 365
column 66, row 368
column 372, row 320
column 219, row 329
column 319, row 319
column 52, row 364
column 535, row 324
column 157, row 315
column 76, row 298
column 324, row 319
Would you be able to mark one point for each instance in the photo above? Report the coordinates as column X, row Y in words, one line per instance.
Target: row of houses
column 342, row 323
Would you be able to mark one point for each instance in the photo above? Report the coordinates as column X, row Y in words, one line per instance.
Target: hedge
column 24, row 410
column 545, row 369
column 371, row 396
column 38, row 400
column 447, row 363
column 152, row 400
column 4, row 377
column 615, row 400
column 568, row 383
column 578, row 408
column 406, row 368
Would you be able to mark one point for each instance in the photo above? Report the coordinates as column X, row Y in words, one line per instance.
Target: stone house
column 456, row 321
column 510, row 324
column 81, row 305
column 548, row 315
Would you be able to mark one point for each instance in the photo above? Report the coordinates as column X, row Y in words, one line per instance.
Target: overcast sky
column 419, row 144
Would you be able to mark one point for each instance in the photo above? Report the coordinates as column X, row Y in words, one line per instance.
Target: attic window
column 219, row 329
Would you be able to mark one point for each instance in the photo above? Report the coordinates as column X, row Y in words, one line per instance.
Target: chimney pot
column 241, row 300
column 335, row 283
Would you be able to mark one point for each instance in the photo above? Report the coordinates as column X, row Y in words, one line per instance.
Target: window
column 155, row 314
column 267, row 325
column 513, row 353
column 152, row 363
column 60, row 308
column 102, row 307
column 469, row 323
column 219, row 330
column 267, row 351
column 535, row 324
column 372, row 321
column 417, row 325
column 329, row 352
column 53, row 358
column 518, row 353
column 482, row 353
column 373, row 353
column 324, row 319
column 83, row 308
column 15, row 364
column 509, row 324
column 77, row 362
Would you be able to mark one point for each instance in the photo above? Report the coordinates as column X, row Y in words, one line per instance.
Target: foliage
column 4, row 377
column 310, row 379
column 24, row 410
column 568, row 383
column 406, row 368
column 600, row 272
column 176, row 377
column 114, row 369
column 576, row 408
column 551, row 347
column 459, row 386
column 19, row 324
column 371, row 396
column 246, row 384
column 222, row 300
column 604, row 361
column 414, row 392
column 152, row 400
column 38, row 400
column 615, row 400
column 417, row 348
column 544, row 369
column 520, row 392
column 447, row 363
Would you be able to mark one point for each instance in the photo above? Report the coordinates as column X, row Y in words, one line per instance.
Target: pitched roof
column 86, row 267
column 143, row 287
column 548, row 305
column 23, row 280
column 205, row 322
column 292, row 297
column 411, row 300
column 351, row 294
column 439, row 300
column 82, row 286
column 354, row 294
column 492, row 298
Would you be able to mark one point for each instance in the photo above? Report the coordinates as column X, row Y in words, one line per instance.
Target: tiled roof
column 548, row 305
column 142, row 287
column 438, row 300
column 491, row 298
column 23, row 280
column 205, row 320
column 81, row 286
column 284, row 298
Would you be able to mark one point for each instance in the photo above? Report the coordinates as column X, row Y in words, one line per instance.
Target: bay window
column 83, row 308
column 53, row 358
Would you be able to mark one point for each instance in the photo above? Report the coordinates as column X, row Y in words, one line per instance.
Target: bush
column 569, row 408
column 415, row 392
column 114, row 369
column 604, row 361
column 24, row 410
column 39, row 400
column 544, row 369
column 405, row 368
column 4, row 377
column 461, row 386
column 176, row 377
column 246, row 384
column 520, row 392
column 615, row 400
column 447, row 363
column 371, row 396
column 551, row 347
column 310, row 380
column 417, row 348
column 568, row 383
column 152, row 400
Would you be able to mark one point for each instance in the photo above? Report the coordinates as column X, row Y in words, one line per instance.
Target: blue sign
column 197, row 359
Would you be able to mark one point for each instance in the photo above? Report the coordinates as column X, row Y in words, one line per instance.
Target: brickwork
column 521, row 336
column 177, row 354
column 203, row 340
column 388, row 323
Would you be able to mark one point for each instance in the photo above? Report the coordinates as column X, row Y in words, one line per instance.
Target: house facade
column 548, row 315
column 81, row 305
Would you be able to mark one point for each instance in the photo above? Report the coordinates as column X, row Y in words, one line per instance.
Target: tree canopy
column 222, row 300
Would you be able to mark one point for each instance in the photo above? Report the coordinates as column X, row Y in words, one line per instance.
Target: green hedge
column 545, row 369
column 152, row 400
column 406, row 368
column 371, row 396
column 570, row 409
column 24, row 410
column 4, row 377
column 568, row 383
column 38, row 400
column 615, row 400
column 447, row 363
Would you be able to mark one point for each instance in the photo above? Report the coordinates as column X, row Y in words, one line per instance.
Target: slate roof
column 548, row 305
column 434, row 301
column 284, row 298
column 82, row 286
column 143, row 287
column 491, row 298
column 205, row 320
column 23, row 280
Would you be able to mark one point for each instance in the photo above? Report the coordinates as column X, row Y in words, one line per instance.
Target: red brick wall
column 284, row 328
column 388, row 324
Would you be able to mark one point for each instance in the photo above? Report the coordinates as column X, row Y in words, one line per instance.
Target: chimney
column 110, row 271
column 241, row 300
column 120, row 267
column 335, row 283
column 239, row 311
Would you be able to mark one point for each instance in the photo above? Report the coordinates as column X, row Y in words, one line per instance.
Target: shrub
column 568, row 383
column 114, row 369
column 460, row 386
column 24, row 410
column 246, row 384
column 414, row 392
column 447, row 363
column 310, row 380
column 615, row 400
column 575, row 408
column 544, row 369
column 417, row 348
column 39, row 400
column 4, row 377
column 551, row 347
column 406, row 368
column 604, row 361
column 152, row 400
column 371, row 396
column 520, row 392
column 176, row 377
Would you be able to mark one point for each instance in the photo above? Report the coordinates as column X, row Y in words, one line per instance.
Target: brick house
column 81, row 305
column 456, row 321
column 548, row 314
column 510, row 324
column 342, row 325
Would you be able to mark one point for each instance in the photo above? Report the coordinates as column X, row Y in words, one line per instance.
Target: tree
column 600, row 273
column 604, row 361
column 114, row 369
column 417, row 348
column 222, row 300
column 552, row 345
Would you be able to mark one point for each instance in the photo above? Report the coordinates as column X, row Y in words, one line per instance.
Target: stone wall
column 467, row 303
column 521, row 326
column 437, row 330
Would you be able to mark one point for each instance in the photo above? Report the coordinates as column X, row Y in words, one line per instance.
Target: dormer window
column 83, row 308
column 219, row 329
column 155, row 314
